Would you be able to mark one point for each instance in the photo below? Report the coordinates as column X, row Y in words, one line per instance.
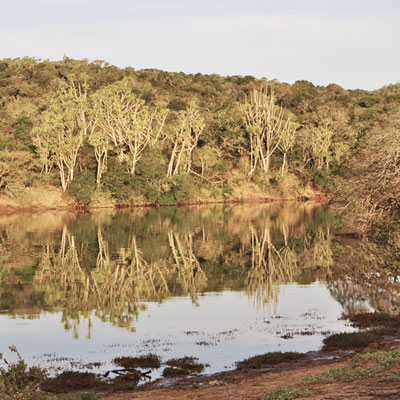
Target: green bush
column 272, row 358
column 183, row 187
column 151, row 192
column 167, row 199
column 83, row 186
column 350, row 340
column 117, row 181
column 152, row 165
column 18, row 382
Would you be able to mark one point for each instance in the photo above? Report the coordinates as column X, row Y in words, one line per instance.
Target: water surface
column 219, row 283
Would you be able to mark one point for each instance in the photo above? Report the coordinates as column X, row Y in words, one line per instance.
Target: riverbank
column 363, row 365
column 49, row 198
column 283, row 382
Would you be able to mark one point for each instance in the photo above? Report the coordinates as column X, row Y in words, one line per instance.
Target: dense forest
column 101, row 134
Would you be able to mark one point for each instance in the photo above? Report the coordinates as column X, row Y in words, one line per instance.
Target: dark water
column 219, row 283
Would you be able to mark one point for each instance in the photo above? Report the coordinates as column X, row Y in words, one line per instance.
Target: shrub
column 182, row 366
column 272, row 358
column 183, row 187
column 350, row 340
column 71, row 380
column 285, row 393
column 167, row 199
column 146, row 361
column 365, row 320
column 117, row 181
column 82, row 187
column 18, row 382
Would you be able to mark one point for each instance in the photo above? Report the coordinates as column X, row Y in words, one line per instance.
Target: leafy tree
column 287, row 142
column 121, row 118
column 61, row 133
column 266, row 126
column 184, row 136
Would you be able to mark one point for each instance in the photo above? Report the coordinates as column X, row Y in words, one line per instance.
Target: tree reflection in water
column 110, row 266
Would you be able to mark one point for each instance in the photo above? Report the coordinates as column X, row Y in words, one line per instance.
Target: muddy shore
column 251, row 384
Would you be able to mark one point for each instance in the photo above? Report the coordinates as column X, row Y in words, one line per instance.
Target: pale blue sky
column 355, row 43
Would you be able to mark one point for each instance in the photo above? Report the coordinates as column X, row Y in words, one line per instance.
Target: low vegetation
column 263, row 360
column 285, row 393
column 146, row 361
column 71, row 381
column 353, row 340
column 20, row 382
column 17, row 381
column 376, row 319
column 381, row 365
column 182, row 366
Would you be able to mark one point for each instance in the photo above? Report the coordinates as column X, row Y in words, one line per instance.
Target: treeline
column 154, row 136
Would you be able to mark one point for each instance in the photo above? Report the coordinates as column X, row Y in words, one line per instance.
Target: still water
column 219, row 283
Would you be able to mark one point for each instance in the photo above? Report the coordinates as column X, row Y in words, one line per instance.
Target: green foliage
column 4, row 172
column 167, row 199
column 182, row 366
column 56, row 111
column 285, row 393
column 384, row 359
column 18, row 382
column 117, row 181
column 77, row 396
column 22, row 127
column 83, row 186
column 183, row 187
column 177, row 104
column 152, row 166
column 273, row 358
column 347, row 374
column 350, row 340
column 145, row 361
column 71, row 380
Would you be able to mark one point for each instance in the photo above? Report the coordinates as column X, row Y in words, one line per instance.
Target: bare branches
column 266, row 126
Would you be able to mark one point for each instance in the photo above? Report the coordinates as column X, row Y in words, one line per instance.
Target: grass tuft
column 284, row 393
column 182, row 366
column 71, row 380
column 366, row 320
column 352, row 340
column 146, row 361
column 272, row 358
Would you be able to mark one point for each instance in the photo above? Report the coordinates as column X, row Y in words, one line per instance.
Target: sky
column 353, row 43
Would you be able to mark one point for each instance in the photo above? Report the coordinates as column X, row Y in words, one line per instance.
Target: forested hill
column 98, row 131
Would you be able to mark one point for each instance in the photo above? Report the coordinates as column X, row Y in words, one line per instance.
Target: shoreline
column 250, row 383
column 9, row 209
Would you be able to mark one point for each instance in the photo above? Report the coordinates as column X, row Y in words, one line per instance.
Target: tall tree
column 63, row 126
column 287, row 142
column 121, row 118
column 265, row 125
column 184, row 137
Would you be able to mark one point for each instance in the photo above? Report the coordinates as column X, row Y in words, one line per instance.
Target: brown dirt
column 250, row 384
column 36, row 200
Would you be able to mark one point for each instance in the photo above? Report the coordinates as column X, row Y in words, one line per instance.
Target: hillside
column 101, row 135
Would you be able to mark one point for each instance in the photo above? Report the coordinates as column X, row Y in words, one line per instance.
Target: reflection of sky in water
column 224, row 328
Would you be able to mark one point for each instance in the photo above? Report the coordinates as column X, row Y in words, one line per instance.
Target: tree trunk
column 283, row 170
